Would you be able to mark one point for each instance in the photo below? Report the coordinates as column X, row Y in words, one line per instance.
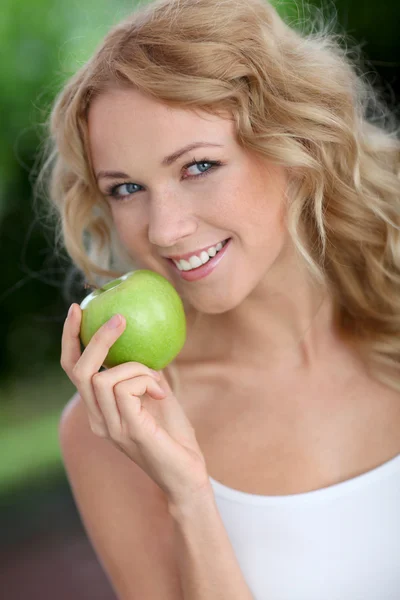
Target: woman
column 273, row 470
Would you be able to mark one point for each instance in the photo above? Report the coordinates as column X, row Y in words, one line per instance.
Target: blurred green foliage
column 41, row 44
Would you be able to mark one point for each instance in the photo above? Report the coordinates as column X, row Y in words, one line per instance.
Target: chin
column 214, row 304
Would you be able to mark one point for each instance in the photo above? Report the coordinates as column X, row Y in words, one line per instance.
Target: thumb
column 174, row 415
column 164, row 382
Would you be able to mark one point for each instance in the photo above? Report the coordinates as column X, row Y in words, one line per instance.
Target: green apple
column 155, row 330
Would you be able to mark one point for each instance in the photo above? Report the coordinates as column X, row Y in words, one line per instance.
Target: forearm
column 207, row 564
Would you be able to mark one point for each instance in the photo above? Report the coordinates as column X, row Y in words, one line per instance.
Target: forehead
column 121, row 117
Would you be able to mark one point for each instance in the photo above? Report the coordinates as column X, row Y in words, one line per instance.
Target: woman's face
column 161, row 210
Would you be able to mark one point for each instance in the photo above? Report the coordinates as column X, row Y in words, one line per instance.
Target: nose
column 170, row 221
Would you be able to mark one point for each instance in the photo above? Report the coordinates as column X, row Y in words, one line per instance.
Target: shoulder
column 77, row 441
column 72, row 413
column 123, row 511
column 87, row 457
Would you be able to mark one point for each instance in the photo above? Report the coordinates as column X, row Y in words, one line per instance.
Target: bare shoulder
column 123, row 511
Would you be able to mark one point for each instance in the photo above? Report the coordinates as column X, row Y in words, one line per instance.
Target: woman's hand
column 135, row 409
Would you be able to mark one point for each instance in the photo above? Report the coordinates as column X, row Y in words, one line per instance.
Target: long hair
column 299, row 99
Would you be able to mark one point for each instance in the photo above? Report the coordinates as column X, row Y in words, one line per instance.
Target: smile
column 205, row 269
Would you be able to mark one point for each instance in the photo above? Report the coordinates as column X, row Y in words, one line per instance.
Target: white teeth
column 196, row 261
column 205, row 257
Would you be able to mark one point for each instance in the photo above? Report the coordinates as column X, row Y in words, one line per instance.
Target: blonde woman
column 264, row 462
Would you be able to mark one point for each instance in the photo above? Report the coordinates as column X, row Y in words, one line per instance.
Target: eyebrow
column 166, row 162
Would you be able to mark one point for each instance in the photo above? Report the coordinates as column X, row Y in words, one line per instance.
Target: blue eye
column 129, row 187
column 198, row 165
column 116, row 191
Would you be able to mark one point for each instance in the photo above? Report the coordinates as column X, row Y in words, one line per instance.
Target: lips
column 204, row 270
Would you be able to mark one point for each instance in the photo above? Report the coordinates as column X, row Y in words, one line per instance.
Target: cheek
column 262, row 220
column 271, row 208
column 130, row 232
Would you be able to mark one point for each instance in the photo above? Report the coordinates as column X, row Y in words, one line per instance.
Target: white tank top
column 341, row 542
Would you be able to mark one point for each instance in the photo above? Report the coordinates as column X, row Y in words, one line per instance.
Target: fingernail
column 114, row 322
column 71, row 310
column 156, row 373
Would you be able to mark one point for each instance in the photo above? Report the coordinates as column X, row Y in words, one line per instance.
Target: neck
column 287, row 321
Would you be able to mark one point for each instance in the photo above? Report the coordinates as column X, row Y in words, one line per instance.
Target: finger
column 138, row 421
column 128, row 392
column 70, row 356
column 103, row 384
column 70, row 340
column 88, row 364
column 164, row 384
column 99, row 345
column 128, row 370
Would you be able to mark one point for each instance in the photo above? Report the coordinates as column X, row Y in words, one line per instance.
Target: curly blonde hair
column 298, row 99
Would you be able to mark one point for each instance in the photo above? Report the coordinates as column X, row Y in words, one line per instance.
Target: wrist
column 192, row 505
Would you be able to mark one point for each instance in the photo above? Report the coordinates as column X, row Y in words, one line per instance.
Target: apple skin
column 155, row 330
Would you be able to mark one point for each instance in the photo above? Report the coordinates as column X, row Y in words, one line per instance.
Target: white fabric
column 341, row 542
